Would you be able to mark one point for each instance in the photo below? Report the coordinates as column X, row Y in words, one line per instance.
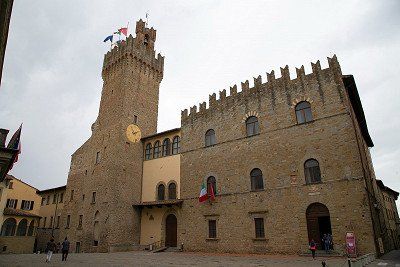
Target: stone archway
column 31, row 228
column 318, row 222
column 8, row 228
column 22, row 227
column 171, row 231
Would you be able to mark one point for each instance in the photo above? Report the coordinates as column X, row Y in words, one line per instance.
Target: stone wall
column 280, row 151
column 17, row 244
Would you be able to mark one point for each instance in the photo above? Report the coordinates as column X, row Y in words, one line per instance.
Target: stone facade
column 108, row 164
column 281, row 216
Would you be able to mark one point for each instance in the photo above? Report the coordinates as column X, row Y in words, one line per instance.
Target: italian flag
column 203, row 193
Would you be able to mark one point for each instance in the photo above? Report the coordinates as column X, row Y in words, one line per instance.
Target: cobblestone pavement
column 141, row 258
column 391, row 259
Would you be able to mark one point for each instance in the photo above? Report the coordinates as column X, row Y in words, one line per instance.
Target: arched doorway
column 171, row 231
column 318, row 222
column 22, row 227
column 8, row 228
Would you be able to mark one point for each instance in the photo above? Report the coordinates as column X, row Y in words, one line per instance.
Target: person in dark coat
column 65, row 249
column 50, row 248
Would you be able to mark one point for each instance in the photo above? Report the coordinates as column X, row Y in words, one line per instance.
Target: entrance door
column 171, row 231
column 318, row 222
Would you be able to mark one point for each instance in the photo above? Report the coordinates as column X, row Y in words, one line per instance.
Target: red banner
column 351, row 244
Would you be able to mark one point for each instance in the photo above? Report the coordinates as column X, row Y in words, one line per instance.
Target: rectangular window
column 12, row 203
column 54, row 198
column 80, row 221
column 10, row 185
column 44, row 222
column 95, row 243
column 68, row 221
column 72, row 195
column 51, row 222
column 61, row 198
column 26, row 205
column 94, row 197
column 58, row 222
column 259, row 225
column 48, row 200
column 135, row 119
column 212, row 229
column 98, row 157
column 43, row 200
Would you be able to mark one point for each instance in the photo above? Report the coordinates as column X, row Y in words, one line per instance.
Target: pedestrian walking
column 327, row 243
column 65, row 249
column 50, row 248
column 313, row 248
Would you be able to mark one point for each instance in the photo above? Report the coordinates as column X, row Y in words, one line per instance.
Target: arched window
column 31, row 228
column 172, row 191
column 312, row 171
column 148, row 151
column 210, row 138
column 22, row 227
column 157, row 148
column 257, row 181
column 176, row 145
column 166, row 147
column 161, row 192
column 211, row 182
column 303, row 112
column 252, row 126
column 8, row 228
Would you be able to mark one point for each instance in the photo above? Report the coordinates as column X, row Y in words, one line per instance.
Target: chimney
column 3, row 136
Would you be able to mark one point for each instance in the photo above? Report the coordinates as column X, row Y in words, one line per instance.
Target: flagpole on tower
column 147, row 18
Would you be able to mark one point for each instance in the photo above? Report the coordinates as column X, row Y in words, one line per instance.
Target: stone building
column 288, row 161
column 51, row 206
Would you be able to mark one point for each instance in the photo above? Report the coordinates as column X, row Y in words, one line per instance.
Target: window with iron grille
column 212, row 229
column 259, row 225
column 252, row 126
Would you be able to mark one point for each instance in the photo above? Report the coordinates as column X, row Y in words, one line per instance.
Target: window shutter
column 32, row 202
column 15, row 203
column 8, row 203
column 22, row 204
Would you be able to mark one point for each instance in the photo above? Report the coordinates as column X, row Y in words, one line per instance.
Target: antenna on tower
column 147, row 18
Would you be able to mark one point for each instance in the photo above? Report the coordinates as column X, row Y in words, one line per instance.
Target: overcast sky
column 52, row 72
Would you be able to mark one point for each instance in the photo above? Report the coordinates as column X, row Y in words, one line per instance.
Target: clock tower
column 106, row 171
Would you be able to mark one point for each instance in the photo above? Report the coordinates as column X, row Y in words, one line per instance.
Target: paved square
column 141, row 258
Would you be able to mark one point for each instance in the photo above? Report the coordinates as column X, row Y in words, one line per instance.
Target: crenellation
column 193, row 110
column 202, row 107
column 279, row 90
column 184, row 114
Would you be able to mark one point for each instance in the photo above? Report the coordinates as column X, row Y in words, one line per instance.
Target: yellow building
column 20, row 217
column 160, row 189
column 51, row 206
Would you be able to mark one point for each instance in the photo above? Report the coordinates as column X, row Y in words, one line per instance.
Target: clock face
column 133, row 133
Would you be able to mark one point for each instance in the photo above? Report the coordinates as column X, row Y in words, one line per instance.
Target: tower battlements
column 138, row 50
column 283, row 87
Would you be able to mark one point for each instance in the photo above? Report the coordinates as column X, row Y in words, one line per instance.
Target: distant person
column 330, row 241
column 313, row 248
column 65, row 249
column 50, row 248
column 327, row 243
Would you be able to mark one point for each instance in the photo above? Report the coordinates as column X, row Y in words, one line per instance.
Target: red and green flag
column 203, row 193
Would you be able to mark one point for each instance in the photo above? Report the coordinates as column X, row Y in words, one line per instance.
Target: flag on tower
column 109, row 38
column 124, row 31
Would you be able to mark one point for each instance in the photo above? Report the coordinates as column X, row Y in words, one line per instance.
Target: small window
column 156, row 149
column 12, row 203
column 48, row 200
column 61, row 198
column 259, row 225
column 312, row 171
column 83, row 197
column 146, row 39
column 10, row 185
column 212, row 229
column 94, row 197
column 210, row 138
column 252, row 126
column 211, row 184
column 161, row 192
column 303, row 112
column 54, row 198
column 135, row 119
column 27, row 205
column 72, row 195
column 148, row 151
column 166, row 147
column 98, row 157
column 172, row 191
column 95, row 243
column 176, row 145
column 51, row 222
column 80, row 221
column 257, row 181
column 44, row 222
column 43, row 200
column 68, row 221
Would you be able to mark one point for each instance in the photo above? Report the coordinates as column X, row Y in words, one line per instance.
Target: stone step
column 160, row 249
column 172, row 249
